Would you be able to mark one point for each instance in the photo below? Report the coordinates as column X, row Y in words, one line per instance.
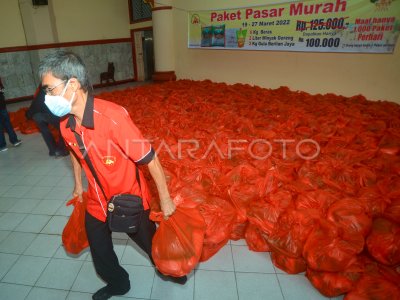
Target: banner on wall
column 370, row 26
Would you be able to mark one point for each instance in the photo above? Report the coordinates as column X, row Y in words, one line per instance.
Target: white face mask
column 58, row 105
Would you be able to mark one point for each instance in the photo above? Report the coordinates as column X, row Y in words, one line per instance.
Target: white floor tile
column 66, row 181
column 62, row 170
column 60, row 274
column 255, row 286
column 31, row 180
column 64, row 210
column 4, row 234
column 295, row 285
column 25, row 169
column 133, row 255
column 26, row 270
column 12, row 180
column 39, row 192
column 55, row 225
column 33, row 223
column 4, row 188
column 17, row 191
column 44, row 245
column 6, row 262
column 48, row 207
column 221, row 261
column 13, row 291
column 23, row 205
column 41, row 170
column 38, row 293
column 250, row 261
column 49, row 180
column 8, row 221
column 5, row 204
column 165, row 290
column 61, row 253
column 215, row 285
column 119, row 248
column 59, row 193
column 87, row 280
column 141, row 281
column 79, row 296
column 17, row 242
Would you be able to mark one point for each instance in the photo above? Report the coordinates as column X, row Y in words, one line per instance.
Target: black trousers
column 43, row 120
column 104, row 258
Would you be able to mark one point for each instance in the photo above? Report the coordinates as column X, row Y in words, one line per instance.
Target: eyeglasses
column 49, row 91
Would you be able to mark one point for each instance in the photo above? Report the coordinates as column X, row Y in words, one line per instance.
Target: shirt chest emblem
column 109, row 160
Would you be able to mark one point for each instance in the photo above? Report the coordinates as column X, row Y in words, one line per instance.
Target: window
column 39, row 2
column 139, row 11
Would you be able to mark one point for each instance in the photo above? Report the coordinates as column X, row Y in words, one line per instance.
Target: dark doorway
column 148, row 53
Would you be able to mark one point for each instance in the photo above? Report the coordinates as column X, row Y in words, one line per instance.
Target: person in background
column 115, row 147
column 43, row 118
column 5, row 123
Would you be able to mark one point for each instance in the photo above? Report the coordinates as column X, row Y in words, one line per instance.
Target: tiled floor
column 33, row 264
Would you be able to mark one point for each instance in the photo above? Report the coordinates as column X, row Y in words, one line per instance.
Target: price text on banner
column 370, row 26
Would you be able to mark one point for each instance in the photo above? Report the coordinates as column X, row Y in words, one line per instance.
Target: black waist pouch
column 124, row 213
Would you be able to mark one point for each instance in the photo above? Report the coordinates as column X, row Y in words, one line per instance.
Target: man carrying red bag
column 115, row 147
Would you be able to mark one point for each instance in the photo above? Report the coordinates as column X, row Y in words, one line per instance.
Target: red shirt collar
column 88, row 118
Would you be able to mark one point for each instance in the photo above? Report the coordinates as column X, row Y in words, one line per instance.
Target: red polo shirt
column 115, row 146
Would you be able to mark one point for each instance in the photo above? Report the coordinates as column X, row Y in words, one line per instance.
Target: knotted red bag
column 74, row 234
column 178, row 241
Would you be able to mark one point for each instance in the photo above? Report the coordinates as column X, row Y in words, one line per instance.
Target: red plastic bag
column 383, row 243
column 390, row 144
column 288, row 264
column 210, row 249
column 74, row 234
column 238, row 230
column 17, row 118
column 178, row 241
column 374, row 202
column 342, row 178
column 331, row 248
column 350, row 214
column 241, row 195
column 320, row 200
column 28, row 127
column 390, row 186
column 264, row 213
column 291, row 232
column 333, row 284
column 374, row 287
column 255, row 239
column 219, row 216
column 392, row 212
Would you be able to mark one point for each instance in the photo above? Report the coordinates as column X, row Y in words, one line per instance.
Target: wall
column 62, row 21
column 81, row 20
column 376, row 76
column 37, row 23
column 11, row 29
column 27, row 33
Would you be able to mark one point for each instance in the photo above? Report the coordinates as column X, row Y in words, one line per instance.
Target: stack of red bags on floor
column 333, row 216
column 314, row 179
